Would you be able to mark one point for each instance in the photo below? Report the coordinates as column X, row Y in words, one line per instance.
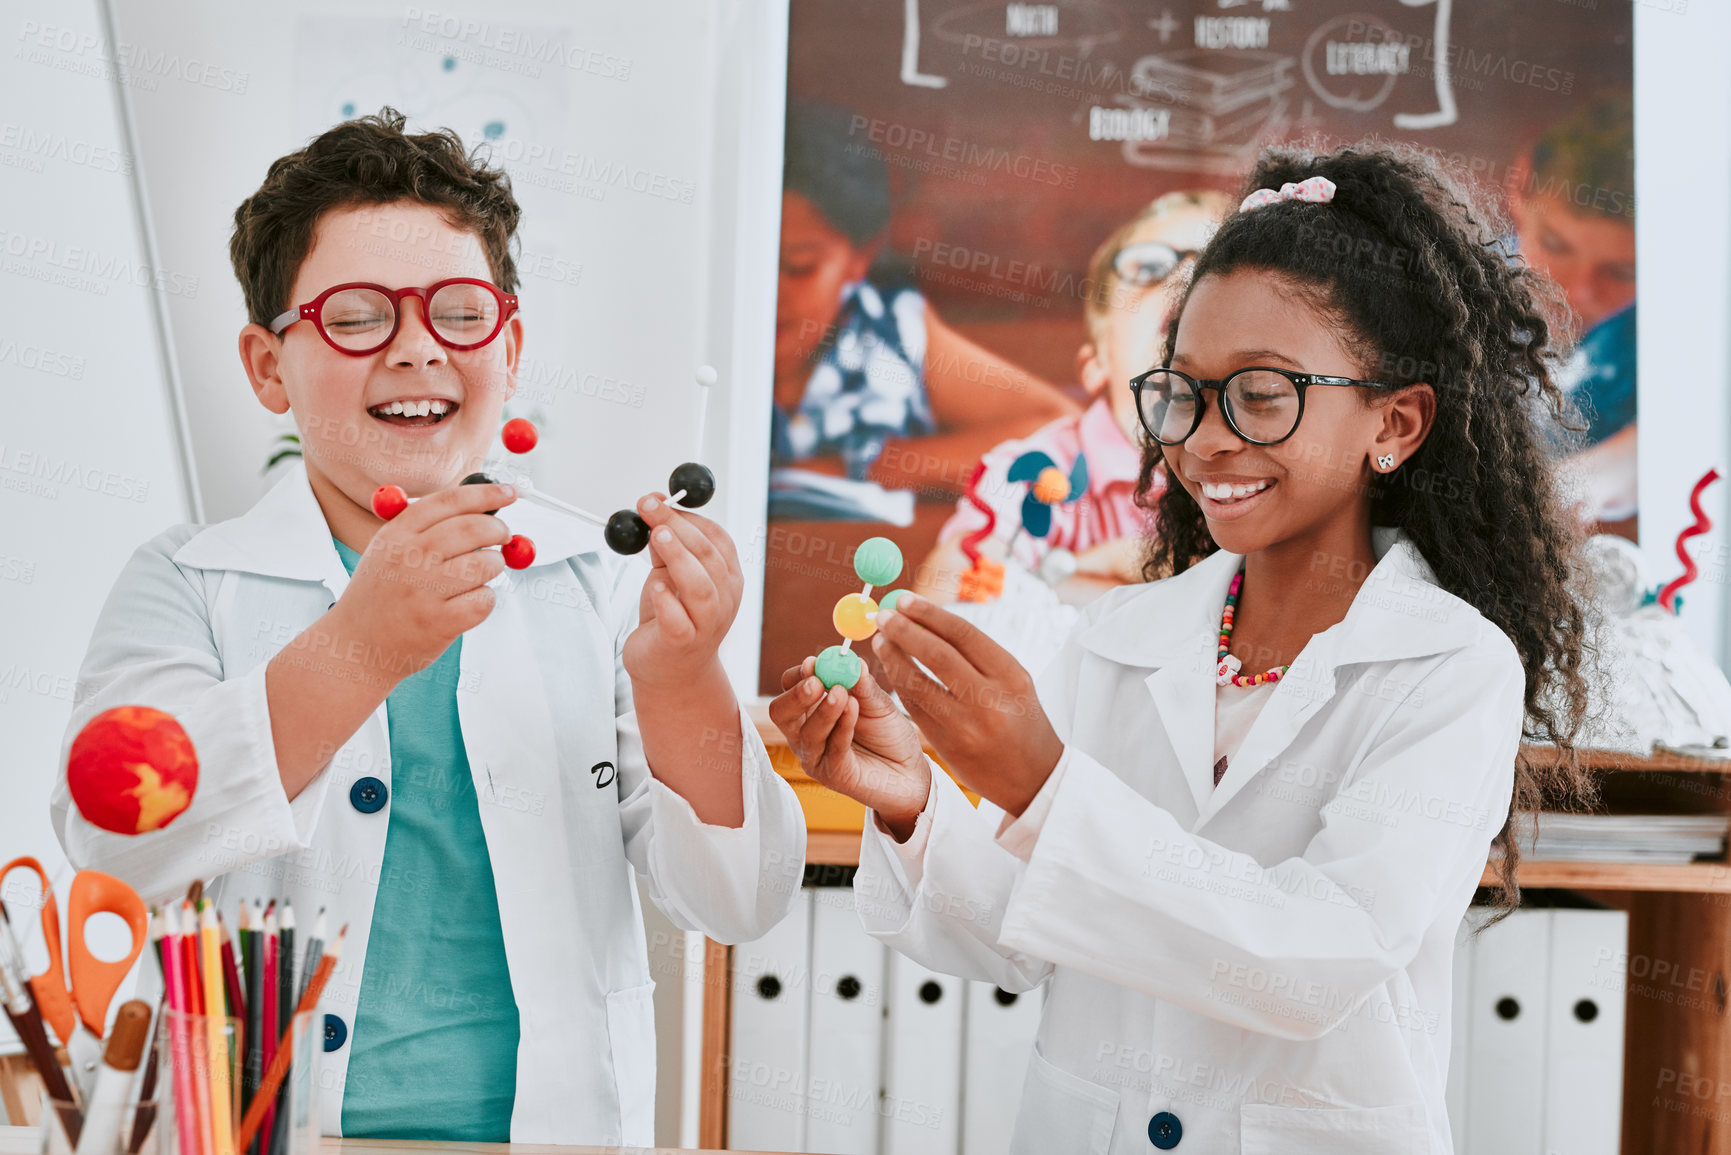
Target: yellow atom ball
column 1051, row 486
column 850, row 617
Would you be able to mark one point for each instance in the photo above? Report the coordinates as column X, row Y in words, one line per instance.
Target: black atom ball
column 478, row 479
column 697, row 482
column 626, row 532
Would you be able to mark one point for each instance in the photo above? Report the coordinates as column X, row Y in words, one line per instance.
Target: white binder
column 923, row 1061
column 1000, row 1036
column 1460, row 1030
column 1506, row 1059
column 847, row 1029
column 1584, row 1068
column 766, row 1053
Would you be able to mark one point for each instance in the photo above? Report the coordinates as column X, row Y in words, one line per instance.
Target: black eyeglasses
column 1262, row 405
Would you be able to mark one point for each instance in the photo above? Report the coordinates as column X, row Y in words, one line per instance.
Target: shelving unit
column 1677, row 1058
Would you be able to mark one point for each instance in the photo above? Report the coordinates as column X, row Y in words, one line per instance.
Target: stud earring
column 1386, row 461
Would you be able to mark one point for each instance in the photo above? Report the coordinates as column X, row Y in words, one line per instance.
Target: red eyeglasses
column 360, row 318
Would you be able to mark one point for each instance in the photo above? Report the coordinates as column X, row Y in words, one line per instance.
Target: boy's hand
column 689, row 599
column 423, row 580
column 855, row 742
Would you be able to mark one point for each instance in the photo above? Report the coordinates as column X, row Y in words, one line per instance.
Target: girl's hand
column 689, row 599
column 855, row 742
column 980, row 712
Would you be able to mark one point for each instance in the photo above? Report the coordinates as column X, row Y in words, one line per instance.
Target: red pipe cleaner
column 1702, row 525
column 971, row 543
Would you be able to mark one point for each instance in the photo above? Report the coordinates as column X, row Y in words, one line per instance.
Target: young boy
column 465, row 767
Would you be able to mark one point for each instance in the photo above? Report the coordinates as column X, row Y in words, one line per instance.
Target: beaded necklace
column 1227, row 670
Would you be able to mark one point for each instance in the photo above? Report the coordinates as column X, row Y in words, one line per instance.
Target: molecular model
column 689, row 487
column 877, row 561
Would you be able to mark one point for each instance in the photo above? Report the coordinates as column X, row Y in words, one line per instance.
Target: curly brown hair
column 1408, row 262
column 366, row 161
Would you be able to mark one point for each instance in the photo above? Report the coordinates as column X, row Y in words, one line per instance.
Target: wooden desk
column 1677, row 996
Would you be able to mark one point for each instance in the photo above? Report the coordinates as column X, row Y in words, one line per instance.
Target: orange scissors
column 78, row 1009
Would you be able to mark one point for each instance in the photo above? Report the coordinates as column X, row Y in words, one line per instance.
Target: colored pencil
column 189, row 970
column 272, row 984
column 285, row 1048
column 286, row 965
column 221, row 1109
column 315, row 948
column 230, row 972
column 252, row 966
column 154, row 929
column 147, row 1086
column 179, row 1037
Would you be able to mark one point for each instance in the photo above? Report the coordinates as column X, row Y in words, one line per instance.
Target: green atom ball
column 877, row 561
column 838, row 667
column 889, row 600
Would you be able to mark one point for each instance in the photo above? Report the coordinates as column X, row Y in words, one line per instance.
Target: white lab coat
column 1267, row 960
column 569, row 808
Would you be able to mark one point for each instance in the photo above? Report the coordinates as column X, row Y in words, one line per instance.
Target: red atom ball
column 132, row 769
column 519, row 552
column 520, row 435
column 389, row 500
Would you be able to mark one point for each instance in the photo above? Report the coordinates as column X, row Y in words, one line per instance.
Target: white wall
column 91, row 461
column 1683, row 279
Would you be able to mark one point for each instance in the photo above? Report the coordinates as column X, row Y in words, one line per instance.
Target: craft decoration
column 1649, row 686
column 1047, row 486
column 1668, row 595
column 132, row 770
column 984, row 579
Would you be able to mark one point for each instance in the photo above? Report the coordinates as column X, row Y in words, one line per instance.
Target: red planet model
column 132, row 770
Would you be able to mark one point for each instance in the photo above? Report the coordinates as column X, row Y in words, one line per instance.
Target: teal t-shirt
column 434, row 1038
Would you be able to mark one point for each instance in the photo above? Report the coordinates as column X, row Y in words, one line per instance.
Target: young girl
column 1237, row 829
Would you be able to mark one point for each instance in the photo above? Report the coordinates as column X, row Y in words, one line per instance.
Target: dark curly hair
column 1407, row 261
column 840, row 173
column 366, row 161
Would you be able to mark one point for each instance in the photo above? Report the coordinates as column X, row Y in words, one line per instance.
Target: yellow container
column 826, row 810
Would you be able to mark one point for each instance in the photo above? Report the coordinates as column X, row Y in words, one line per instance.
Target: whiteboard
column 93, row 451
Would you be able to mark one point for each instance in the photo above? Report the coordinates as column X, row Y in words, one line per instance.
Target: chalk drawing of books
column 1223, row 104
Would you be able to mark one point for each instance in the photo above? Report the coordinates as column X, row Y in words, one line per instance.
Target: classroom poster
column 943, row 298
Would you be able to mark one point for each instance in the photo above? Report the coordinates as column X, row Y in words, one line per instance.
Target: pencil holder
column 116, row 1128
column 294, row 1128
column 119, row 1112
column 193, row 1088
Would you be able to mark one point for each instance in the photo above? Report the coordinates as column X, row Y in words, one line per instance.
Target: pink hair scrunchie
column 1317, row 190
